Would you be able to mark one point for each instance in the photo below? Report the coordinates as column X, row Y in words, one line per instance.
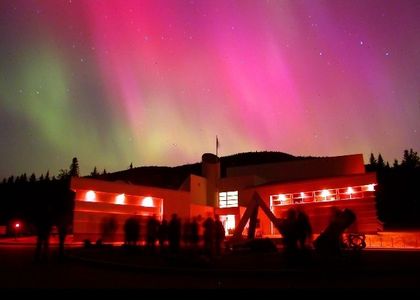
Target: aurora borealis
column 153, row 82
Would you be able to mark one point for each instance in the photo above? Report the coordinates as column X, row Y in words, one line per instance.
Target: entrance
column 228, row 222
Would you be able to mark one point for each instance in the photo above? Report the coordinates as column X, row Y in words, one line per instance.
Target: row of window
column 121, row 199
column 345, row 193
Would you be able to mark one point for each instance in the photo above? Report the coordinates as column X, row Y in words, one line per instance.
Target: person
column 209, row 235
column 174, row 233
column 152, row 232
column 163, row 234
column 219, row 235
column 43, row 226
column 304, row 230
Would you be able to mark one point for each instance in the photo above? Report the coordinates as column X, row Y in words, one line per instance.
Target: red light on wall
column 349, row 191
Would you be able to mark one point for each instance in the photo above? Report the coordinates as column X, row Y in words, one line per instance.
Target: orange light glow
column 371, row 187
column 147, row 202
column 325, row 193
column 349, row 191
column 90, row 196
column 120, row 199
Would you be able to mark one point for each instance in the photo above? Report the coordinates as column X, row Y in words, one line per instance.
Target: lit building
column 314, row 185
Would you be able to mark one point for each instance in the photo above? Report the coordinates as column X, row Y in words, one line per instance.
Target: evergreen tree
column 411, row 159
column 32, row 178
column 387, row 165
column 4, row 181
column 74, row 168
column 41, row 178
column 380, row 163
column 94, row 173
column 131, row 166
column 11, row 179
column 23, row 178
column 47, row 176
column 395, row 165
column 372, row 160
column 104, row 172
column 63, row 174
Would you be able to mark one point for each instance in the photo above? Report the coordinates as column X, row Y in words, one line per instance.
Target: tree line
column 398, row 193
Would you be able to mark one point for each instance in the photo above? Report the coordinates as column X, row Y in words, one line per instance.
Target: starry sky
column 153, row 82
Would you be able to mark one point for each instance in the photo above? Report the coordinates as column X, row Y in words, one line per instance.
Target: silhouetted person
column 174, row 233
column 132, row 231
column 289, row 231
column 152, row 232
column 63, row 218
column 43, row 226
column 209, row 235
column 304, row 230
column 219, row 235
column 163, row 233
column 194, row 231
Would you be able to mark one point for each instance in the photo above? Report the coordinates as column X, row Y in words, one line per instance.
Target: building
column 314, row 185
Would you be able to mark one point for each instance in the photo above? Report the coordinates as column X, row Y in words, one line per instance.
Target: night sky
column 153, row 82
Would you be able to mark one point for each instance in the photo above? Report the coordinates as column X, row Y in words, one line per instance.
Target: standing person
column 152, row 232
column 174, row 231
column 194, row 230
column 219, row 235
column 43, row 224
column 209, row 235
column 163, row 233
column 304, row 230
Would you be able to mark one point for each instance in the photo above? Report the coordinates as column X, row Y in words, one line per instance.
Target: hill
column 173, row 177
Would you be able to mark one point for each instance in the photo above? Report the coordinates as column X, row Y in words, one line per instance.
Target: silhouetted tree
column 63, row 174
column 32, row 178
column 41, row 178
column 395, row 164
column 104, row 172
column 372, row 160
column 4, row 181
column 410, row 160
column 94, row 173
column 131, row 166
column 74, row 168
column 11, row 179
column 387, row 165
column 380, row 163
column 47, row 176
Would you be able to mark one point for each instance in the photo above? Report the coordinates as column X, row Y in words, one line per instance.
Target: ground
column 114, row 267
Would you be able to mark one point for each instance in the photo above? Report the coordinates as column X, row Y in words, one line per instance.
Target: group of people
column 171, row 234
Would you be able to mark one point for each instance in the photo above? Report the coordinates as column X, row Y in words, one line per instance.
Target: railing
column 347, row 193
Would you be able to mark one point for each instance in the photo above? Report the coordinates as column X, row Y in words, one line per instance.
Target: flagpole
column 217, row 146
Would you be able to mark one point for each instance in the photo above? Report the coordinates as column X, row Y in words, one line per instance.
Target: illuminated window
column 120, row 199
column 370, row 187
column 147, row 202
column 228, row 199
column 90, row 196
column 349, row 191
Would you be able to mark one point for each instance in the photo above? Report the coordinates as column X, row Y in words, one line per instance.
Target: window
column 228, row 199
column 342, row 193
